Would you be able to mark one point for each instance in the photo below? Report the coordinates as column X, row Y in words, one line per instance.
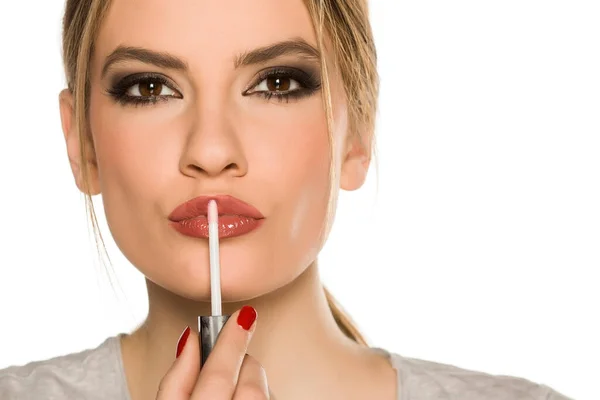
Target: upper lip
column 227, row 205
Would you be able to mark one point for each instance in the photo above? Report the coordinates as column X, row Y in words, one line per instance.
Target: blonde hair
column 347, row 24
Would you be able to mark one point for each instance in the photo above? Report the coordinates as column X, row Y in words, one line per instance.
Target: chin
column 251, row 265
column 245, row 274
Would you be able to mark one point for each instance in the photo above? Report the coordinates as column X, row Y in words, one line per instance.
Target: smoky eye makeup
column 285, row 83
column 142, row 89
column 280, row 83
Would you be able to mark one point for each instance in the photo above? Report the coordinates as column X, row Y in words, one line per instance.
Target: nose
column 213, row 147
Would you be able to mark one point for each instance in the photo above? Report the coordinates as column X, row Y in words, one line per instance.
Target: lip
column 236, row 217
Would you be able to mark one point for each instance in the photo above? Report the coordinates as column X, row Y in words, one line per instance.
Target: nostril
column 214, row 169
column 197, row 169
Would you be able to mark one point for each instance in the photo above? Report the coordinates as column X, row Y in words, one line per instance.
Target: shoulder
column 90, row 374
column 428, row 380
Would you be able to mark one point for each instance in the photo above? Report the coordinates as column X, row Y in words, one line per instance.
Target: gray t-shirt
column 98, row 374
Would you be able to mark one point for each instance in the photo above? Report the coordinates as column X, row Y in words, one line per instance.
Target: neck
column 296, row 340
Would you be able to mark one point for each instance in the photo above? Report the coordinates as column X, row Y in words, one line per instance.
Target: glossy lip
column 227, row 205
column 236, row 217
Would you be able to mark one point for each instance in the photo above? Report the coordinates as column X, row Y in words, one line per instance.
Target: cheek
column 130, row 144
column 293, row 156
column 299, row 159
column 308, row 182
column 132, row 153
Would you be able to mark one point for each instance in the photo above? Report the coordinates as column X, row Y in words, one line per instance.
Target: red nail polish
column 246, row 317
column 182, row 340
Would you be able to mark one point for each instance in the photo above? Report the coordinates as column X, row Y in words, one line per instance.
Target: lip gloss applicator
column 210, row 326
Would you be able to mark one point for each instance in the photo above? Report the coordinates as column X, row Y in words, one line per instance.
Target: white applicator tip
column 210, row 326
column 213, row 213
column 215, row 267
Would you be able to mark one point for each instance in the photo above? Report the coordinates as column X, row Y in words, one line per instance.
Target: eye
column 285, row 84
column 150, row 88
column 143, row 89
column 277, row 83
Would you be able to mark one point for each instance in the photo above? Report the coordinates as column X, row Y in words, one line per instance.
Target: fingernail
column 182, row 340
column 246, row 317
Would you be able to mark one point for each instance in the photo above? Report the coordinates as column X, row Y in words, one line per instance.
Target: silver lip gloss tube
column 209, row 327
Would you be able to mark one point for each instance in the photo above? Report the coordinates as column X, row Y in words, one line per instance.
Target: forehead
column 202, row 29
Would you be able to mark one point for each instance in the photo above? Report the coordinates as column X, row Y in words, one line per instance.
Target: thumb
column 179, row 381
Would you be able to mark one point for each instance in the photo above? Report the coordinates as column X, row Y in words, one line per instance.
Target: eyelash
column 119, row 89
column 309, row 83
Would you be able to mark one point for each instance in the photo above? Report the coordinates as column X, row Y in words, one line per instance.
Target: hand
column 228, row 374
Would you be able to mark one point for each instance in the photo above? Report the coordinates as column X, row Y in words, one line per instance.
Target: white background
column 480, row 247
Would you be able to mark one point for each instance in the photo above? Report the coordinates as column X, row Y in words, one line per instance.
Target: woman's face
column 182, row 107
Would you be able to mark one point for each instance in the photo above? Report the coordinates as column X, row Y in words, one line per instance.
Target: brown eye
column 150, row 88
column 278, row 83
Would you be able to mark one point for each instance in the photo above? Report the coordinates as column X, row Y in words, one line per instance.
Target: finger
column 179, row 381
column 220, row 373
column 252, row 383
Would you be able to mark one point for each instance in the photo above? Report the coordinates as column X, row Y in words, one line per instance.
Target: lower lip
column 229, row 226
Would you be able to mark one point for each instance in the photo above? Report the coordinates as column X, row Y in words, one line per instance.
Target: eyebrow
column 296, row 46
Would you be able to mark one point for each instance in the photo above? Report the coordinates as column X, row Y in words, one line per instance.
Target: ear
column 69, row 127
column 355, row 164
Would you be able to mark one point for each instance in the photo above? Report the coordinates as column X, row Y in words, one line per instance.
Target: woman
column 271, row 118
